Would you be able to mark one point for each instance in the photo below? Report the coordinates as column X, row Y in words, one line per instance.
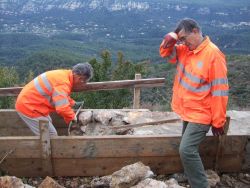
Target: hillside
column 134, row 27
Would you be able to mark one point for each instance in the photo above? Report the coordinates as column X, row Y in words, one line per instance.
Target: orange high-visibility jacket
column 200, row 91
column 48, row 92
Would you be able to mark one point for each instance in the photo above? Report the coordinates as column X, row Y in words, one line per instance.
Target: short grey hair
column 83, row 69
column 188, row 25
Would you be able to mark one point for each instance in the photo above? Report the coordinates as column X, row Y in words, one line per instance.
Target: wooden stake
column 45, row 148
column 137, row 93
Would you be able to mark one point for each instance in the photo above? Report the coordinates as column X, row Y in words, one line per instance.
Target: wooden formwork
column 101, row 155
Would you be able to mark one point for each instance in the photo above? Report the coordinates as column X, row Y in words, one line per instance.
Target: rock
column 172, row 183
column 101, row 182
column 150, row 183
column 180, row 177
column 227, row 180
column 103, row 116
column 83, row 128
column 130, row 175
column 212, row 178
column 85, row 117
column 110, row 118
column 48, row 182
column 12, row 182
column 124, row 131
column 119, row 119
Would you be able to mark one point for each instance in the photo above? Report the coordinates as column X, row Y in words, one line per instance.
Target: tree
column 9, row 78
column 107, row 71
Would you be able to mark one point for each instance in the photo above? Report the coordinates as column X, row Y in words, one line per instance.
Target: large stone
column 103, row 116
column 150, row 183
column 48, row 182
column 130, row 175
column 172, row 183
column 85, row 117
column 212, row 178
column 179, row 177
column 12, row 182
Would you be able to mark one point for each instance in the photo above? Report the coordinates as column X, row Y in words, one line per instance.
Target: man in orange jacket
column 50, row 92
column 200, row 92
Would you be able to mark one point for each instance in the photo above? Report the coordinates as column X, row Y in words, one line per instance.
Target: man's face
column 190, row 39
column 79, row 81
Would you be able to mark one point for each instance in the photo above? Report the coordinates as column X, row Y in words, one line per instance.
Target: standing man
column 200, row 92
column 50, row 92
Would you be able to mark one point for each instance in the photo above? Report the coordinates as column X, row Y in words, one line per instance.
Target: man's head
column 189, row 33
column 82, row 73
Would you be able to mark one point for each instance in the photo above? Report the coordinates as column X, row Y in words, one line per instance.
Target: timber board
column 113, row 146
column 27, row 167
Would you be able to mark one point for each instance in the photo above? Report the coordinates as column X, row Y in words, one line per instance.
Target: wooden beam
column 121, row 84
column 95, row 86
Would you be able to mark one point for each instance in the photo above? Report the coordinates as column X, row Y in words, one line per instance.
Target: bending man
column 50, row 92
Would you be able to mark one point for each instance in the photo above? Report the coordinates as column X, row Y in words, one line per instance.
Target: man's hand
column 218, row 131
column 73, row 125
column 170, row 40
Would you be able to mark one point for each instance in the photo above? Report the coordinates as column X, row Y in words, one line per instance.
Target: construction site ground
column 239, row 125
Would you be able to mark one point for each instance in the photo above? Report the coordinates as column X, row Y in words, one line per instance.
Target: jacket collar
column 205, row 42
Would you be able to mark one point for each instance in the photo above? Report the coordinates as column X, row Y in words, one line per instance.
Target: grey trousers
column 192, row 135
column 33, row 124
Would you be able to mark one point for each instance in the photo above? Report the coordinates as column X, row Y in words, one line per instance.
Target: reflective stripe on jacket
column 200, row 91
column 48, row 92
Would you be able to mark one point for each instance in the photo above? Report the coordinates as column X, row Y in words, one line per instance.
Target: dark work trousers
column 192, row 135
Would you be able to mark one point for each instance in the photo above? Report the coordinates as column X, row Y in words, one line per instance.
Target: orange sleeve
column 169, row 53
column 219, row 91
column 63, row 102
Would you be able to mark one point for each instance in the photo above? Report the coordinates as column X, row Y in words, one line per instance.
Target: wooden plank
column 10, row 118
column 95, row 86
column 231, row 163
column 102, row 156
column 10, row 91
column 105, row 166
column 23, row 167
column 45, row 147
column 126, row 146
column 111, row 146
column 13, row 131
column 137, row 93
column 23, row 147
column 12, row 125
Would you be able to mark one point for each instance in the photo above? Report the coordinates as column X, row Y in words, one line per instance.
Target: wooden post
column 45, row 148
column 137, row 93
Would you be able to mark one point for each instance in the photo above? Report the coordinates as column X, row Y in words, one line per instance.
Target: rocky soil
column 136, row 175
